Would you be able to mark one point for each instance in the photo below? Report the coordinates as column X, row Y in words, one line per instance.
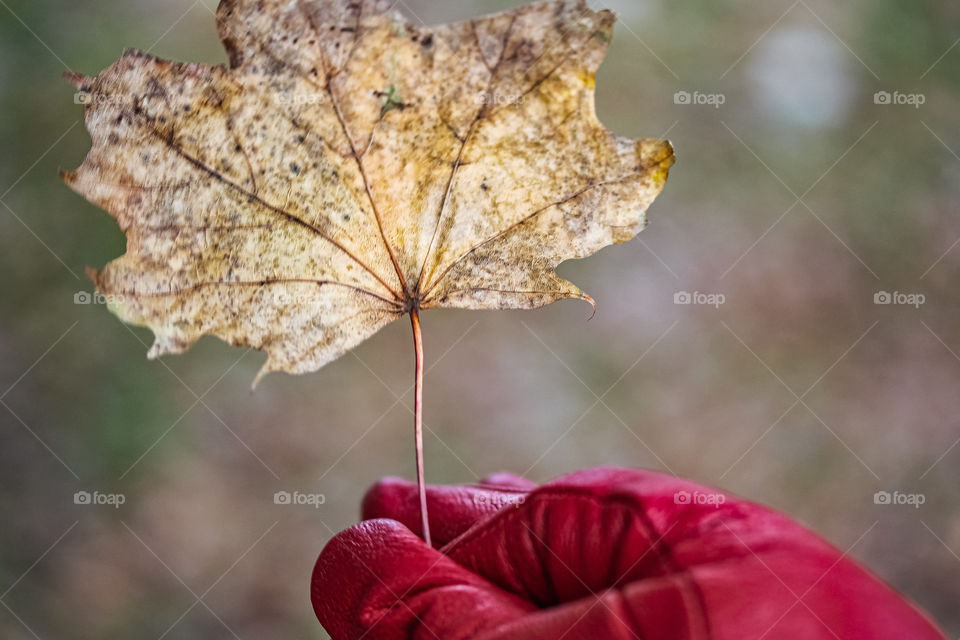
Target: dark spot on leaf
column 602, row 36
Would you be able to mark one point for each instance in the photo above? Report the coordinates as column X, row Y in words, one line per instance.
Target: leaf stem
column 418, row 421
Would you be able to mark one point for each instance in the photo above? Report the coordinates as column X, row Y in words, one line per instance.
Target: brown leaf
column 349, row 167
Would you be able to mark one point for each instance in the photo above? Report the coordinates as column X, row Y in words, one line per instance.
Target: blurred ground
column 800, row 199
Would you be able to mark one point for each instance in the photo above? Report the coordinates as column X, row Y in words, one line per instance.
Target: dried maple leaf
column 349, row 167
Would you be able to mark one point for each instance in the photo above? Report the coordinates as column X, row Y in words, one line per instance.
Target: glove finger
column 611, row 616
column 452, row 509
column 378, row 580
column 573, row 537
column 681, row 553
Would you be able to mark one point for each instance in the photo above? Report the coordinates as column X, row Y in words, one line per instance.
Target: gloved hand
column 602, row 554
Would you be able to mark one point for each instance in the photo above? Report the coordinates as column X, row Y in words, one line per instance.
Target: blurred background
column 817, row 180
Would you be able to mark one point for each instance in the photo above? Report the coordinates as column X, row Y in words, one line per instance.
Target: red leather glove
column 599, row 554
